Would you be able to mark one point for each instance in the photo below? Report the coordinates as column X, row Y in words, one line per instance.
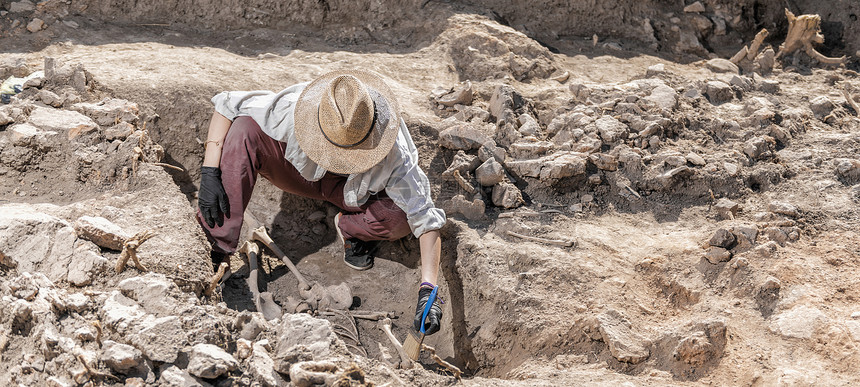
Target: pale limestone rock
column 101, row 232
column 210, row 361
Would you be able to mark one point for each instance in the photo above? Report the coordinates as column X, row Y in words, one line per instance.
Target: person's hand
column 211, row 198
column 434, row 316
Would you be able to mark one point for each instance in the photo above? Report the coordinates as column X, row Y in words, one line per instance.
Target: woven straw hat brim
column 355, row 159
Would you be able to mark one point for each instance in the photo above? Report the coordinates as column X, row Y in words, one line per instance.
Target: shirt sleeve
column 409, row 188
column 272, row 111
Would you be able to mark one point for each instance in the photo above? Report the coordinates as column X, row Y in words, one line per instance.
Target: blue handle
column 428, row 306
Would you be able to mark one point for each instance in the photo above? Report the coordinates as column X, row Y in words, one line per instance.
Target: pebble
column 722, row 238
column 696, row 7
column 656, row 69
column 587, row 199
column 719, row 92
column 783, row 209
column 35, row 25
column 720, row 65
column 695, row 159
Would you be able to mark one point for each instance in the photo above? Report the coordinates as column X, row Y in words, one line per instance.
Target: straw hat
column 347, row 121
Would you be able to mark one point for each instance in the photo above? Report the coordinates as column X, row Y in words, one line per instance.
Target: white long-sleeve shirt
column 398, row 173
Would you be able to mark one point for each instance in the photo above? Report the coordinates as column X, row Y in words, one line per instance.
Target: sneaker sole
column 356, row 267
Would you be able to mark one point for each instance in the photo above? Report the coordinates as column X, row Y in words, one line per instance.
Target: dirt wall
column 412, row 22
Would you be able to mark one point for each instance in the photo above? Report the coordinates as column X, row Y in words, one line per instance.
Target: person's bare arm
column 218, row 127
column 431, row 251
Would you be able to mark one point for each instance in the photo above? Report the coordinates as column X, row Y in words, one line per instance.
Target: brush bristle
column 412, row 345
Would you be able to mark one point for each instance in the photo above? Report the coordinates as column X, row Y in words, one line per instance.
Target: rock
column 101, row 232
column 173, row 376
column 783, row 209
column 604, row 161
column 86, row 262
column 77, row 302
column 507, row 195
column 27, row 135
column 63, row 121
column 5, row 119
column 716, row 255
column 691, row 92
column 722, row 238
column 490, row 150
column 22, row 6
column 461, row 95
column 555, row 166
column 121, row 358
column 490, row 173
column 463, row 137
column 759, row 147
column 695, row 159
column 301, row 336
column 769, row 86
column 463, row 163
column 664, row 97
column 153, row 291
column 159, row 338
column 120, row 131
column 610, row 129
column 727, row 209
column 262, row 367
column 765, row 61
column 35, row 25
column 528, row 148
column 745, row 235
column 210, row 361
column 719, row 92
column 654, row 70
column 742, row 82
column 776, row 234
column 34, row 241
column 696, row 7
column 504, row 102
column 71, row 24
column 848, row 170
column 528, row 125
column 720, row 65
column 110, row 110
column 732, row 169
column 473, row 210
column 250, row 324
column 800, row 322
column 50, row 98
column 822, row 106
column 625, row 345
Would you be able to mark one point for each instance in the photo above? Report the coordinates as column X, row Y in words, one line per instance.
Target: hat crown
column 346, row 112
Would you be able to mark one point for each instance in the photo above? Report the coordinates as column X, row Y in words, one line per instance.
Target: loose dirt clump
column 638, row 192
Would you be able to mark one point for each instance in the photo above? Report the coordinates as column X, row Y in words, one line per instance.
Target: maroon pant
column 248, row 151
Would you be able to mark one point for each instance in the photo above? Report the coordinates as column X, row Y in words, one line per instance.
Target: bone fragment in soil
column 405, row 361
column 463, row 183
column 450, row 367
column 310, row 373
column 260, row 234
column 129, row 250
column 803, row 31
column 360, row 314
column 264, row 302
column 850, row 100
column 557, row 242
column 216, row 279
column 750, row 52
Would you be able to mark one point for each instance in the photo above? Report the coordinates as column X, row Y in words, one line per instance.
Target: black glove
column 434, row 316
column 211, row 198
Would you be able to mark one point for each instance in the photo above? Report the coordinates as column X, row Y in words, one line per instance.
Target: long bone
column 260, row 234
column 263, row 301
